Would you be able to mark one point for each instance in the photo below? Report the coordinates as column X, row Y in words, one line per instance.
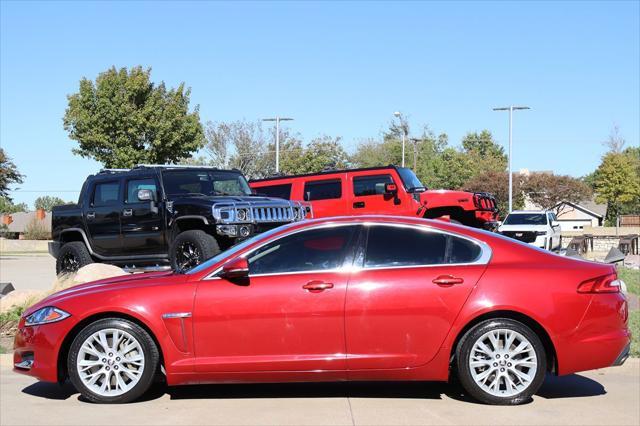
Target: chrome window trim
column 483, row 259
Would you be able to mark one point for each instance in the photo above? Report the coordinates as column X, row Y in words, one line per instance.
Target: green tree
column 123, row 119
column 321, row 153
column 47, row 202
column 496, row 182
column 7, row 206
column 9, row 175
column 617, row 182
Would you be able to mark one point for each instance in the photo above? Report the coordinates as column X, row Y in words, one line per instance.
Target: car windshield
column 204, row 182
column 232, row 250
column 526, row 219
column 410, row 180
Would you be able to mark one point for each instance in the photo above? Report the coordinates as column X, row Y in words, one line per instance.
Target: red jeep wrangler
column 380, row 190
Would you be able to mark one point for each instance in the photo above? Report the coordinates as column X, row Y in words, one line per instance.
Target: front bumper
column 54, row 248
column 36, row 349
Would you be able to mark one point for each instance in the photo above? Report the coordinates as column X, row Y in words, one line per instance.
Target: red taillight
column 605, row 284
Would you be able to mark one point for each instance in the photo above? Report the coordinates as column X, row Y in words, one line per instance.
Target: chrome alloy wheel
column 110, row 362
column 503, row 362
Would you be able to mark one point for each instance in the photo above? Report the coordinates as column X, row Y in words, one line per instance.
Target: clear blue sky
column 338, row 68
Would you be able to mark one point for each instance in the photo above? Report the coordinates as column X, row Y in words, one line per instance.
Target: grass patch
column 3, row 350
column 631, row 278
column 634, row 325
column 12, row 315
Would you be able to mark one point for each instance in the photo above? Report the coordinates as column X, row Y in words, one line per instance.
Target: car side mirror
column 146, row 195
column 390, row 188
column 236, row 269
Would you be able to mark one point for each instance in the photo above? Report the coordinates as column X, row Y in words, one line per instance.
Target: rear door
column 102, row 216
column 326, row 194
column 401, row 304
column 142, row 226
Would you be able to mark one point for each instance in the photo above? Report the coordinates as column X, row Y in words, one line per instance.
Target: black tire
column 72, row 256
column 204, row 246
column 149, row 349
column 463, row 354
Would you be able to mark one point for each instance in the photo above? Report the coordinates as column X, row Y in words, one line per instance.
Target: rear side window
column 370, row 185
column 322, row 190
column 396, row 246
column 133, row 186
column 389, row 246
column 277, row 191
column 106, row 193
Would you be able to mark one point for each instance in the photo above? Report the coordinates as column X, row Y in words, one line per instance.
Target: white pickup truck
column 538, row 228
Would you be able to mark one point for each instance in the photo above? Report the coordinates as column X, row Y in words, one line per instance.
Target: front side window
column 390, row 246
column 322, row 190
column 204, row 182
column 135, row 185
column 370, row 185
column 314, row 250
column 526, row 219
column 277, row 191
column 106, row 193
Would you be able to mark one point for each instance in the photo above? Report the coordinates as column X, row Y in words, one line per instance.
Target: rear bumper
column 623, row 356
column 54, row 248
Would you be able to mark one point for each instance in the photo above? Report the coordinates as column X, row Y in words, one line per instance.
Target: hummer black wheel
column 191, row 248
column 72, row 256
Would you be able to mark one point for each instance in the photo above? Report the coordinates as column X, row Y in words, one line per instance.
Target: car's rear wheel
column 72, row 256
column 191, row 248
column 112, row 360
column 501, row 361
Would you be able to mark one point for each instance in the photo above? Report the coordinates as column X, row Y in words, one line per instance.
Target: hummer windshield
column 410, row 180
column 204, row 182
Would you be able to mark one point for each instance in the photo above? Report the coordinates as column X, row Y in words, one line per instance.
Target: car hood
column 523, row 228
column 127, row 280
column 215, row 199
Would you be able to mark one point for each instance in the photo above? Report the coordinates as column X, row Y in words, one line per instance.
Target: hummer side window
column 106, row 193
column 322, row 190
column 370, row 185
column 278, row 191
column 133, row 186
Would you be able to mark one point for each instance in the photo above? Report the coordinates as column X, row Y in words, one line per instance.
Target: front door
column 401, row 304
column 289, row 314
column 142, row 226
column 102, row 217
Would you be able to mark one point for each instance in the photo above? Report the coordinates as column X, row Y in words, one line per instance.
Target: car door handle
column 91, row 215
column 447, row 280
column 317, row 286
column 358, row 205
column 127, row 212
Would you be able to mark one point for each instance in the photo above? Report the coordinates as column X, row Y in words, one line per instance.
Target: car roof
column 325, row 172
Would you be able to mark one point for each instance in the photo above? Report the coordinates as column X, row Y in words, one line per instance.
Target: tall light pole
column 510, row 108
column 415, row 151
column 277, row 120
column 399, row 116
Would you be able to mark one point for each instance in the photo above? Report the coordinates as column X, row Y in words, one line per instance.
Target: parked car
column 387, row 190
column 538, row 228
column 162, row 215
column 425, row 300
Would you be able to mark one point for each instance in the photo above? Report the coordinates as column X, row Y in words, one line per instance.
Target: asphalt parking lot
column 28, row 271
column 609, row 396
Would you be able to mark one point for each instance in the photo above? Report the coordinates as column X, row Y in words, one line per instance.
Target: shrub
column 36, row 230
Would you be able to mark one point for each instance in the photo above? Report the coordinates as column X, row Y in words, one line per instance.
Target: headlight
column 45, row 316
column 242, row 215
column 297, row 213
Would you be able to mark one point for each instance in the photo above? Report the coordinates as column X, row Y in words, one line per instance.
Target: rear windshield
column 526, row 219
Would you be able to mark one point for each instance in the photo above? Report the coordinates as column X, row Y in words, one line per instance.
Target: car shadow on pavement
column 570, row 386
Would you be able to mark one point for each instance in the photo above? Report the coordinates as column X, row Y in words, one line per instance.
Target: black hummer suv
column 160, row 216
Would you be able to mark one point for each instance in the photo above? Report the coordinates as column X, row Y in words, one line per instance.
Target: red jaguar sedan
column 334, row 299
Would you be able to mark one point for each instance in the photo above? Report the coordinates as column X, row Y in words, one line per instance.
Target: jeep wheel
column 191, row 248
column 72, row 256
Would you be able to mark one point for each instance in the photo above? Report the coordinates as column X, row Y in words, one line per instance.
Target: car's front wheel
column 501, row 361
column 112, row 360
column 72, row 256
column 191, row 248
